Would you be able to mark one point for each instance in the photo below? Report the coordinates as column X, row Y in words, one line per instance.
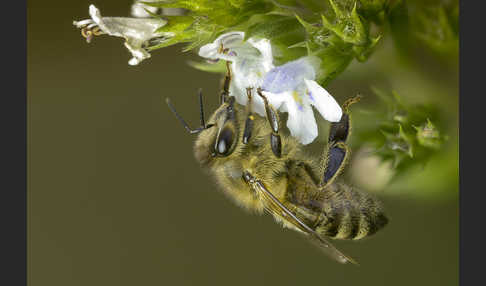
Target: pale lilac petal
column 289, row 76
column 323, row 101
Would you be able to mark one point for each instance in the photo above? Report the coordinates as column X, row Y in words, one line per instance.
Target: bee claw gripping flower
column 289, row 88
column 138, row 33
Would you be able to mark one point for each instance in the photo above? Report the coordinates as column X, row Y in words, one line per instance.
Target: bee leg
column 226, row 84
column 273, row 119
column 309, row 172
column 337, row 152
column 249, row 119
column 335, row 159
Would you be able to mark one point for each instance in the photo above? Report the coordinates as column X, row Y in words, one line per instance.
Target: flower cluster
column 289, row 88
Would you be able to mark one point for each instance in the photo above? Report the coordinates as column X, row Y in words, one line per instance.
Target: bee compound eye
column 225, row 141
column 222, row 147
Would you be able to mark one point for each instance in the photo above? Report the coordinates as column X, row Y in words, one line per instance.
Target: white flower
column 250, row 61
column 289, row 88
column 138, row 33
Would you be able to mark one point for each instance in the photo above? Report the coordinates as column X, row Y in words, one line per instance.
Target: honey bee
column 263, row 169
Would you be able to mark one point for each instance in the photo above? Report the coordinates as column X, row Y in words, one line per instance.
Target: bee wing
column 274, row 206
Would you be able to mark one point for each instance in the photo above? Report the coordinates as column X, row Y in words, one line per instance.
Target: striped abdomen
column 348, row 213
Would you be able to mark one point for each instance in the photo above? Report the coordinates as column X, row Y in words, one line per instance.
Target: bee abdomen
column 354, row 215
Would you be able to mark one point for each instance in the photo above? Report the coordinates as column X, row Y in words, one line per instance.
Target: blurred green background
column 116, row 198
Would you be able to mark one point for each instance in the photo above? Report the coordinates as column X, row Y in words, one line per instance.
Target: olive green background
column 116, row 197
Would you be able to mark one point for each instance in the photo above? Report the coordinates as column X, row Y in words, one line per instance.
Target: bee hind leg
column 337, row 151
column 273, row 119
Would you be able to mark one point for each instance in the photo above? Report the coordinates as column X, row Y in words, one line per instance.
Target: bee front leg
column 226, row 84
column 249, row 118
column 273, row 119
column 337, row 152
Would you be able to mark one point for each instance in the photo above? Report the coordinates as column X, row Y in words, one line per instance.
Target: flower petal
column 301, row 121
column 248, row 72
column 288, row 77
column 275, row 100
column 323, row 101
column 265, row 49
column 228, row 40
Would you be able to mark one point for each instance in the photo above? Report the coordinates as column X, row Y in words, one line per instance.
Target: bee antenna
column 183, row 122
column 201, row 112
column 201, row 109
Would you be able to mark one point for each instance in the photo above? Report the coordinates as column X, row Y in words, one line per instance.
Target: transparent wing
column 275, row 207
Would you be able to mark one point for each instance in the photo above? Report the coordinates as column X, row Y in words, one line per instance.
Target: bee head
column 219, row 137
